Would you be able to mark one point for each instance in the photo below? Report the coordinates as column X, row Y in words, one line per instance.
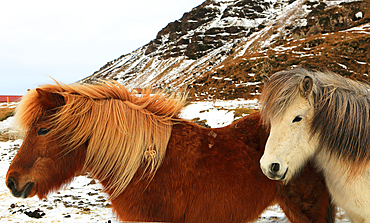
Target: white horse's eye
column 297, row 119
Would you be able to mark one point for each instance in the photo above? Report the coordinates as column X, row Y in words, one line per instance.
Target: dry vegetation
column 5, row 113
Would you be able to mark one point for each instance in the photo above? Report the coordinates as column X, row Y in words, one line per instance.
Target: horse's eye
column 297, row 119
column 43, row 131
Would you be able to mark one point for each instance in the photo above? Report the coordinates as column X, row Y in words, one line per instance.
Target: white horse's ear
column 265, row 79
column 306, row 86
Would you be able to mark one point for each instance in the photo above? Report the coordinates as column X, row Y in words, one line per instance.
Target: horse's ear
column 265, row 79
column 306, row 86
column 49, row 99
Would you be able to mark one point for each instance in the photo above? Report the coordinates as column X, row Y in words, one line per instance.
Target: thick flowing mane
column 341, row 110
column 122, row 130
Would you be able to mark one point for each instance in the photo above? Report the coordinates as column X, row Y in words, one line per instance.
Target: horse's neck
column 329, row 165
column 336, row 172
column 350, row 192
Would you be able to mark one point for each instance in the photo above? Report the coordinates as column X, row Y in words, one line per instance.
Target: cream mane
column 122, row 130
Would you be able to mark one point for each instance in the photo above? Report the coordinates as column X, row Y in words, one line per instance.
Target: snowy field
column 82, row 200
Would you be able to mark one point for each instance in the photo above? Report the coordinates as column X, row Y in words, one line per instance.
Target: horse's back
column 223, row 180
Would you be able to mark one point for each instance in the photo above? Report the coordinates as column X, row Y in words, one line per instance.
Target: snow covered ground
column 83, row 201
column 217, row 113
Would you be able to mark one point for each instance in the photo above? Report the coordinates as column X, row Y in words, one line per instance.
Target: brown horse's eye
column 43, row 131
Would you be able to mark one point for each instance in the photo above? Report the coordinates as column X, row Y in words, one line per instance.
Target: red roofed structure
column 10, row 98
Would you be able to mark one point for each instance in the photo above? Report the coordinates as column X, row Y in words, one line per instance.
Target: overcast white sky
column 70, row 39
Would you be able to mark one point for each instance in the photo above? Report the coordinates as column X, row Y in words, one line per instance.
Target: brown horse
column 154, row 165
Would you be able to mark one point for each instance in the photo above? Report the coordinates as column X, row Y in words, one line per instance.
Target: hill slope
column 221, row 48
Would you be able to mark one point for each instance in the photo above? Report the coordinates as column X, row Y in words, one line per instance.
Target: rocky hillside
column 220, row 49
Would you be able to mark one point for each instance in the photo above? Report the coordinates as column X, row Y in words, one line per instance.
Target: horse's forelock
column 279, row 92
column 29, row 110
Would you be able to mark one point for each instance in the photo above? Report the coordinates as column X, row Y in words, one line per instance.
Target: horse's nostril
column 275, row 167
column 10, row 183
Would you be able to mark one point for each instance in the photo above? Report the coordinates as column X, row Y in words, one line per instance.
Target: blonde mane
column 122, row 130
column 341, row 110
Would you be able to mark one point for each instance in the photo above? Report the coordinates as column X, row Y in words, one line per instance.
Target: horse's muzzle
column 24, row 193
column 274, row 172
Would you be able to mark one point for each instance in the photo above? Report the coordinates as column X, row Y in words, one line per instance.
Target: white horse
column 325, row 117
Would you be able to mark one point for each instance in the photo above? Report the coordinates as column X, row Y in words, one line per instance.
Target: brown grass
column 6, row 113
column 239, row 112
